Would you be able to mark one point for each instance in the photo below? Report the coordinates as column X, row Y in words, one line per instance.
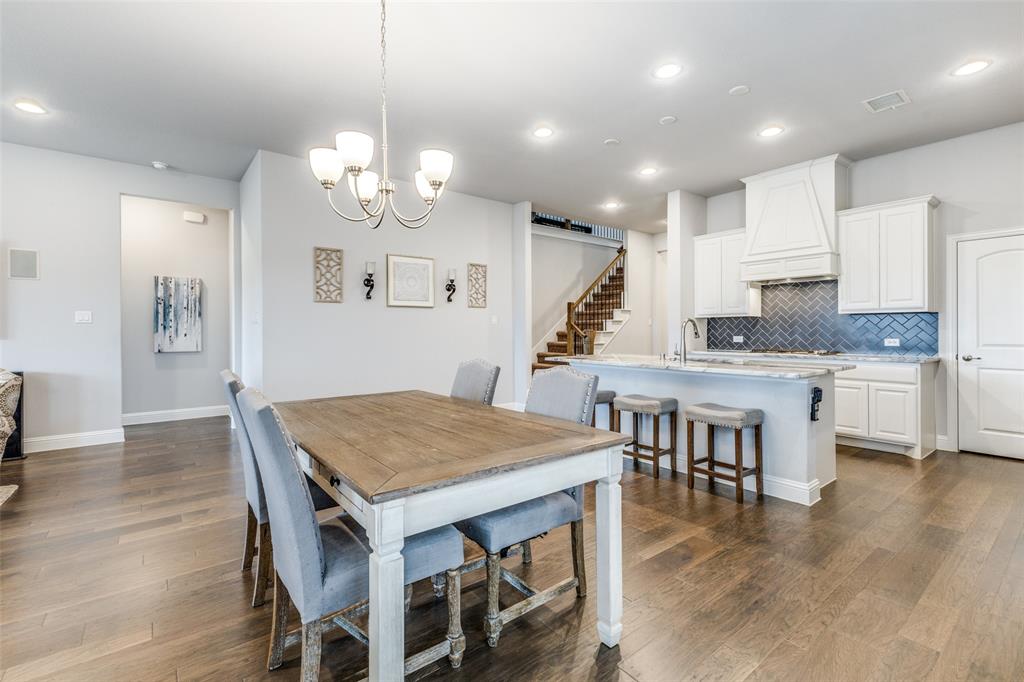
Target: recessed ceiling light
column 29, row 106
column 739, row 90
column 971, row 68
column 543, row 132
column 648, row 170
column 667, row 71
column 159, row 165
column 611, row 205
column 771, row 131
column 667, row 120
column 612, row 141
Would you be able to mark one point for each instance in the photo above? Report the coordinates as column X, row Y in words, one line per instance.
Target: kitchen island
column 799, row 454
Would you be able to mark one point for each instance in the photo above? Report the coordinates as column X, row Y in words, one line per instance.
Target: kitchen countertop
column 739, row 366
column 839, row 357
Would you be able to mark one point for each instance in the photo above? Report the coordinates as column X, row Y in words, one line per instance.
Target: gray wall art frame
column 177, row 314
column 328, row 270
column 410, row 281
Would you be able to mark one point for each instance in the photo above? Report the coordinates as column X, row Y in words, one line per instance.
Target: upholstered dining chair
column 324, row 568
column 258, row 543
column 563, row 393
column 475, row 380
column 10, row 392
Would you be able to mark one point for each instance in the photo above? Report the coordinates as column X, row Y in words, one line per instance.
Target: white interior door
column 990, row 344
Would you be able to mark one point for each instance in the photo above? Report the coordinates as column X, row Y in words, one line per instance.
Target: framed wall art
column 177, row 314
column 476, row 285
column 327, row 274
column 410, row 281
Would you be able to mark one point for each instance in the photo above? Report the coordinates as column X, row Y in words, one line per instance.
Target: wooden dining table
column 403, row 463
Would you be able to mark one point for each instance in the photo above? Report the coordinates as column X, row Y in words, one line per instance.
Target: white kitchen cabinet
column 893, row 412
column 852, row 408
column 717, row 288
column 885, row 257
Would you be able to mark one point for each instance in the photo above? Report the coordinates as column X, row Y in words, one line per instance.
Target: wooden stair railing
column 585, row 316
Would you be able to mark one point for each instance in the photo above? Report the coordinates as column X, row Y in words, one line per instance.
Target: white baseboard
column 73, row 440
column 945, row 443
column 133, row 418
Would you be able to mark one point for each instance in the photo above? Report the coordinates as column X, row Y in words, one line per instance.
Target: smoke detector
column 890, row 100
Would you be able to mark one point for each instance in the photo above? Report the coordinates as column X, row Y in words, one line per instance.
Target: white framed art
column 410, row 281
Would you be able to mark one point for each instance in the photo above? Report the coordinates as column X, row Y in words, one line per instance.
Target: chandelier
column 351, row 157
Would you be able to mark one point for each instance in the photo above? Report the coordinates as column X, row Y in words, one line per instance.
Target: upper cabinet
column 885, row 255
column 718, row 290
column 791, row 221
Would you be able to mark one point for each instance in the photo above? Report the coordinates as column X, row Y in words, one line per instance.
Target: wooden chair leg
column 673, row 440
column 312, row 639
column 527, row 552
column 689, row 454
column 711, row 454
column 492, row 620
column 738, row 434
column 579, row 566
column 456, row 639
column 278, row 624
column 438, row 582
column 656, row 442
column 636, row 437
column 249, row 551
column 264, row 567
column 758, row 477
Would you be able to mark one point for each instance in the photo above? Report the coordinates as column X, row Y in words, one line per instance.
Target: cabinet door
column 903, row 243
column 858, row 262
column 734, row 291
column 892, row 412
column 707, row 277
column 852, row 408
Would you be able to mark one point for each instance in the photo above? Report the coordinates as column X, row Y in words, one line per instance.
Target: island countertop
column 789, row 357
column 739, row 366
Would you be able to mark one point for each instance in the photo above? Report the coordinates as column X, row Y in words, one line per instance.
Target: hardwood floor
column 123, row 563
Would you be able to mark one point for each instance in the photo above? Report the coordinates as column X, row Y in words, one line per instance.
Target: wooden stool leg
column 636, row 436
column 689, row 454
column 579, row 565
column 656, row 452
column 738, row 433
column 711, row 454
column 673, row 440
column 759, row 480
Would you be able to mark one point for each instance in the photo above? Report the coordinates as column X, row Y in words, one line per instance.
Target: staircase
column 592, row 320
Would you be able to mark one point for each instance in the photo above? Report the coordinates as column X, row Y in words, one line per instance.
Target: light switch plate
column 737, row 339
column 83, row 317
column 892, row 343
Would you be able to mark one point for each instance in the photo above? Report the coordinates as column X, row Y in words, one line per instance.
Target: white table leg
column 609, row 553
column 386, row 530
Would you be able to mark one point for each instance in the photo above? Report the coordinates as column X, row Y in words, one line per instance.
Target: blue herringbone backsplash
column 804, row 316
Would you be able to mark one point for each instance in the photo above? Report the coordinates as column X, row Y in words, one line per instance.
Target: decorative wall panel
column 327, row 274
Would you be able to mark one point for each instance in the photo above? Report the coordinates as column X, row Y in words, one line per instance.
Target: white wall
column 635, row 336
column 68, row 207
column 687, row 218
column 321, row 349
column 251, row 258
column 562, row 269
column 727, row 211
column 156, row 240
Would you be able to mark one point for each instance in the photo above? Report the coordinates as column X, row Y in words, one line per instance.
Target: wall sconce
column 450, row 286
column 371, row 266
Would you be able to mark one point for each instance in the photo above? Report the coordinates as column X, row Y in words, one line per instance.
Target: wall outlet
column 892, row 343
column 83, row 317
column 737, row 339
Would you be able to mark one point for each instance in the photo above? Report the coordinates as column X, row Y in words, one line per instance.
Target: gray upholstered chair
column 323, row 569
column 10, row 392
column 563, row 393
column 257, row 528
column 475, row 380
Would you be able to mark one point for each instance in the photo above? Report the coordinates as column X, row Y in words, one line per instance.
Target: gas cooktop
column 795, row 351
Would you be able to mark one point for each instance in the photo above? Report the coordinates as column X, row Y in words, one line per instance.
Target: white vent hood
column 791, row 221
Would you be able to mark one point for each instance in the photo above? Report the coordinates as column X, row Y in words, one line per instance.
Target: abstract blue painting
column 177, row 314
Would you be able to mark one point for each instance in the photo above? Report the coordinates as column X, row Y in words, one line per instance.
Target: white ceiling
column 203, row 85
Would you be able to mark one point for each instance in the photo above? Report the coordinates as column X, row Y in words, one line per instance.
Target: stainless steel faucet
column 682, row 336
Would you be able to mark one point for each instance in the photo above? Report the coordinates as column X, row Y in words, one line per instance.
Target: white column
column 386, row 530
column 609, row 551
column 687, row 218
column 522, row 298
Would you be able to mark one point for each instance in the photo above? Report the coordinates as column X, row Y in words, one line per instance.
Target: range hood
column 791, row 221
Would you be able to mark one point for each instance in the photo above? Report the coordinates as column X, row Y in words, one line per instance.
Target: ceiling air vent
column 890, row 100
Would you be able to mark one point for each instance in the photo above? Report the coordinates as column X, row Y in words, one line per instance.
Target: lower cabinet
column 892, row 412
column 852, row 408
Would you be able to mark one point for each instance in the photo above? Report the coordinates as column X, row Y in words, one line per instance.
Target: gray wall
column 73, row 372
column 156, row 240
column 727, row 211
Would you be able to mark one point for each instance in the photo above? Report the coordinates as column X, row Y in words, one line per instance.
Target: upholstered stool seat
column 604, row 398
column 737, row 419
column 720, row 415
column 656, row 408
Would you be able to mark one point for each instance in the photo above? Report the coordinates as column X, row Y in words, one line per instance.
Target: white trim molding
column 133, row 418
column 73, row 440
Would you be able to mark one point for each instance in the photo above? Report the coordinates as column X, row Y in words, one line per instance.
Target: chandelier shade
column 326, row 166
column 355, row 150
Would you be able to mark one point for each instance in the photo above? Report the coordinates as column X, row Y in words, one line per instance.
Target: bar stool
column 604, row 398
column 737, row 419
column 656, row 407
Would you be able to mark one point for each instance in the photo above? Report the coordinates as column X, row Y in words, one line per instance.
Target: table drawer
column 898, row 374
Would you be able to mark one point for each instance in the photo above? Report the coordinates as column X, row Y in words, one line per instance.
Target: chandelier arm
column 422, row 217
column 374, row 225
column 379, row 211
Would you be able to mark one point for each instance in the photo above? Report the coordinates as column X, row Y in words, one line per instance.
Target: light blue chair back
column 476, row 380
column 250, row 471
column 298, row 549
column 563, row 393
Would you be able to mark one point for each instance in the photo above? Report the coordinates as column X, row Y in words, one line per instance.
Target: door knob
column 969, row 357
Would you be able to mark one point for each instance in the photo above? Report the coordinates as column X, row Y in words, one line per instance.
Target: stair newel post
column 570, row 336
